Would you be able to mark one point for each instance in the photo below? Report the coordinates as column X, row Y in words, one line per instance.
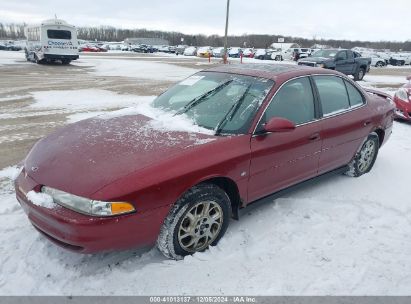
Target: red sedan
column 119, row 182
column 402, row 100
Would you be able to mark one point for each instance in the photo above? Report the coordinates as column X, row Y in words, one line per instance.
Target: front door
column 281, row 159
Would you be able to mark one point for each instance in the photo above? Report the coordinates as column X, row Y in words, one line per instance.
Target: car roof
column 269, row 71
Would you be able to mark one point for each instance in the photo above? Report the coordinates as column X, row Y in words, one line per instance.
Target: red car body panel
column 403, row 107
column 116, row 160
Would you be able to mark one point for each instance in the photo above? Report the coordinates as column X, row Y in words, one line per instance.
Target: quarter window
column 356, row 98
column 333, row 94
column 294, row 101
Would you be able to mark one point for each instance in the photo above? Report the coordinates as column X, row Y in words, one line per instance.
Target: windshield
column 223, row 102
column 325, row 53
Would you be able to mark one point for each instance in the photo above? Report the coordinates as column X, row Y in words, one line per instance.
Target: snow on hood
column 160, row 120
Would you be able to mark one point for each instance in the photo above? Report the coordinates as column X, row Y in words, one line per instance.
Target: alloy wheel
column 200, row 226
column 366, row 156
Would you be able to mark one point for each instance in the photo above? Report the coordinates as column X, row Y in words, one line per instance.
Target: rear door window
column 333, row 94
column 59, row 34
column 356, row 98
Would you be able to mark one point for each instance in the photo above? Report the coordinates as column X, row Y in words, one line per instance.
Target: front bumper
column 88, row 234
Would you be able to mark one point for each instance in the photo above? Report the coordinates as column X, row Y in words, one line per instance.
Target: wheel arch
column 381, row 134
column 230, row 187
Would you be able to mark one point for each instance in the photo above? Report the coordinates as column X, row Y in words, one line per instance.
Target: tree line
column 108, row 33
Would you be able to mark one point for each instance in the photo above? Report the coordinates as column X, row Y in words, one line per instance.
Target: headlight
column 321, row 65
column 402, row 94
column 87, row 206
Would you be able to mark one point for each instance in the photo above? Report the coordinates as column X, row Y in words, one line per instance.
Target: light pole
column 226, row 31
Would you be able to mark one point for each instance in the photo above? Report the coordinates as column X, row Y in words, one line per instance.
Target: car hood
column 84, row 157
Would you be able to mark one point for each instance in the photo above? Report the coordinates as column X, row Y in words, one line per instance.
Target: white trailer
column 50, row 41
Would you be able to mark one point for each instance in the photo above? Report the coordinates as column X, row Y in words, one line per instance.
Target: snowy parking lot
column 342, row 236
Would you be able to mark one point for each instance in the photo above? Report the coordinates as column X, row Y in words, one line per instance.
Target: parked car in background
column 125, row 47
column 190, row 51
column 400, row 59
column 341, row 60
column 263, row 128
column 204, row 51
column 248, row 52
column 180, row 49
column 235, row 52
column 402, row 100
column 166, row 49
column 218, row 52
column 263, row 54
column 376, row 60
column 385, row 56
column 304, row 52
column 10, row 46
column 279, row 54
column 89, row 48
column 142, row 48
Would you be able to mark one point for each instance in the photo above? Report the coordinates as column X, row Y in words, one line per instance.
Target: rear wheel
column 65, row 61
column 278, row 58
column 198, row 220
column 359, row 75
column 37, row 60
column 364, row 159
column 380, row 64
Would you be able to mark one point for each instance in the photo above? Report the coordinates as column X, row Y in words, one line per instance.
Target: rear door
column 345, row 121
column 281, row 159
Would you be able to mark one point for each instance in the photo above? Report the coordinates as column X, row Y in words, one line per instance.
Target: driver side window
column 294, row 101
column 342, row 55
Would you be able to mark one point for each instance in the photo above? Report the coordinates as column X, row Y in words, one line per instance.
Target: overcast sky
column 329, row 19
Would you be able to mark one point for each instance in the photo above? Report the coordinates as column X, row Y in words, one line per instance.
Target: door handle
column 314, row 137
column 367, row 122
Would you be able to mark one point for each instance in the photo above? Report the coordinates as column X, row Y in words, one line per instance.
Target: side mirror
column 278, row 124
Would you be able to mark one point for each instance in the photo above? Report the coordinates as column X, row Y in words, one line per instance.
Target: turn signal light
column 121, row 207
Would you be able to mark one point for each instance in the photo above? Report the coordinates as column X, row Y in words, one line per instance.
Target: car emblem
column 34, row 169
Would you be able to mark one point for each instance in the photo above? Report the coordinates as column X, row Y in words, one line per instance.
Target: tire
column 190, row 213
column 37, row 60
column 65, row 61
column 278, row 58
column 380, row 64
column 364, row 159
column 359, row 75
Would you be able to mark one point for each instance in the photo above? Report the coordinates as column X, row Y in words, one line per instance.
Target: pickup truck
column 344, row 61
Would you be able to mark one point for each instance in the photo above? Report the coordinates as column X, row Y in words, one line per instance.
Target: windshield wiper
column 202, row 97
column 233, row 110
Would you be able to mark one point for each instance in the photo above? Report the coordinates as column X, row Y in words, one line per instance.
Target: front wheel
column 198, row 220
column 364, row 159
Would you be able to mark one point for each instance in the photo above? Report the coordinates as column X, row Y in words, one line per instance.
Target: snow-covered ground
column 343, row 236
